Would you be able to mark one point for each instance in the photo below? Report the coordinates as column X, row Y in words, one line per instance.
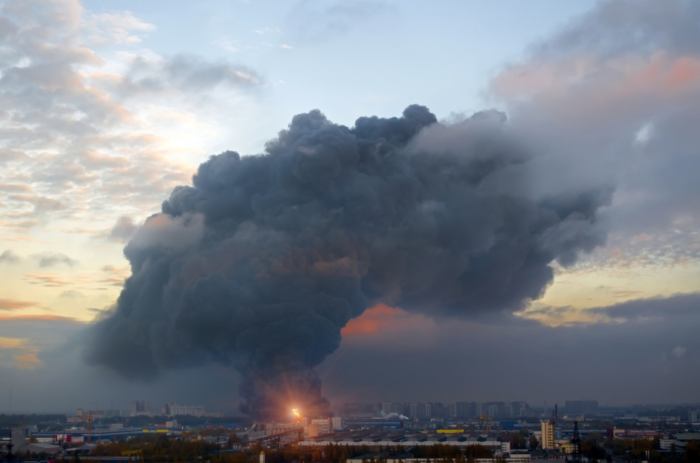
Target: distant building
column 280, row 433
column 548, row 431
column 466, row 410
column 623, row 433
column 514, row 458
column 398, row 408
column 386, row 407
column 375, row 423
column 436, row 410
column 451, row 410
column 694, row 416
column 320, row 426
column 83, row 416
column 418, row 411
column 519, row 409
column 139, row 408
column 173, row 409
column 495, row 410
column 580, row 407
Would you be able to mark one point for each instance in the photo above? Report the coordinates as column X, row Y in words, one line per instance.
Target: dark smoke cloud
column 262, row 261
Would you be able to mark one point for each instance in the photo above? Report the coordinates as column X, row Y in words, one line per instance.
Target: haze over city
column 251, row 206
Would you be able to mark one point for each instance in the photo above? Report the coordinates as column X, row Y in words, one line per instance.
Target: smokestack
column 264, row 258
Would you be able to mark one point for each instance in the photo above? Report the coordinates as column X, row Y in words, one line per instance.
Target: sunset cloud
column 20, row 353
column 14, row 304
column 37, row 317
column 48, row 280
column 27, row 360
column 12, row 343
column 375, row 320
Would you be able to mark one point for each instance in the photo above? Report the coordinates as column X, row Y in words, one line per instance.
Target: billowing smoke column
column 262, row 261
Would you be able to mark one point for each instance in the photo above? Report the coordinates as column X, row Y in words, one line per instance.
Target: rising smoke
column 262, row 261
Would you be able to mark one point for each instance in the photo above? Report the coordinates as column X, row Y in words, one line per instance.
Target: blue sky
column 366, row 57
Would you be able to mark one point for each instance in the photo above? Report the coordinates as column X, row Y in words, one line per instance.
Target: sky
column 107, row 106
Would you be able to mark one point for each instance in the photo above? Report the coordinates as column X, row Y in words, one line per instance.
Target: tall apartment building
column 548, row 430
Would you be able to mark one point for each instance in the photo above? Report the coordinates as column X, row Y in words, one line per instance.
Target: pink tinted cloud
column 380, row 320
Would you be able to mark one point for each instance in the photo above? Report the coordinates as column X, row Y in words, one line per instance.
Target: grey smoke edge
column 262, row 261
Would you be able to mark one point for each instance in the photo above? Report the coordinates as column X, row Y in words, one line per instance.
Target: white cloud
column 644, row 134
column 311, row 21
column 89, row 119
column 115, row 28
column 96, row 128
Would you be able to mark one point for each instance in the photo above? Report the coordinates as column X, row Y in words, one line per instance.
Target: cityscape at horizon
column 457, row 230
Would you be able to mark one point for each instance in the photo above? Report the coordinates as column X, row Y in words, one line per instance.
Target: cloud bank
column 616, row 94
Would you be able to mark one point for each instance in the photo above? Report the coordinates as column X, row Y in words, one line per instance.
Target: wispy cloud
column 9, row 257
column 118, row 27
column 15, row 304
column 310, row 21
column 183, row 73
column 72, row 136
column 49, row 280
column 38, row 318
column 637, row 310
column 52, row 259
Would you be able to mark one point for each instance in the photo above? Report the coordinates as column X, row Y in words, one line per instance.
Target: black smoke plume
column 262, row 261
